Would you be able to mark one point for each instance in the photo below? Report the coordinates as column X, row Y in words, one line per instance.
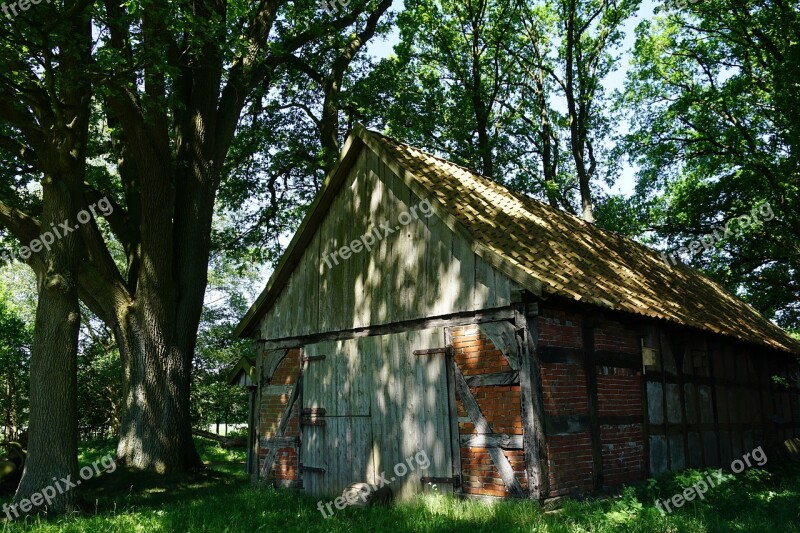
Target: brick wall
column 564, row 389
column 475, row 354
column 622, row 448
column 274, row 399
column 614, row 337
column 559, row 328
column 619, row 392
column 480, row 475
column 570, row 459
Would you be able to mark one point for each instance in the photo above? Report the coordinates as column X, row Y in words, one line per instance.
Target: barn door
column 375, row 411
column 411, row 412
column 335, row 421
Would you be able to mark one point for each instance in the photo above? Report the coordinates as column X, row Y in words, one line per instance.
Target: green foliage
column 507, row 89
column 712, row 97
column 16, row 338
column 217, row 352
column 99, row 381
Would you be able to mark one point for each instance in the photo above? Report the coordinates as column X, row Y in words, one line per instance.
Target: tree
column 512, row 89
column 445, row 84
column 46, row 110
column 716, row 133
column 168, row 84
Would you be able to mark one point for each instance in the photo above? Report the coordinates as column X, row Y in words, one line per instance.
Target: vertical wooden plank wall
column 420, row 270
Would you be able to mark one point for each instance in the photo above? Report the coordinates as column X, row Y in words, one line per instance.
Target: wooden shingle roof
column 566, row 256
column 545, row 250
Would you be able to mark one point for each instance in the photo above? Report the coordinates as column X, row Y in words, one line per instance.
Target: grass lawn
column 222, row 499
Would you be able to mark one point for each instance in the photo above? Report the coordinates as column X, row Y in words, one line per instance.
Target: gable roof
column 245, row 366
column 547, row 251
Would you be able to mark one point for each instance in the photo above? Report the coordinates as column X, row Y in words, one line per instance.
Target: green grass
column 222, row 499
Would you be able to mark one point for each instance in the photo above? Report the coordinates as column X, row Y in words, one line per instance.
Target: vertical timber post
column 534, row 439
column 455, row 442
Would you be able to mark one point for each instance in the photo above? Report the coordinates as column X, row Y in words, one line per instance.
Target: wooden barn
column 424, row 309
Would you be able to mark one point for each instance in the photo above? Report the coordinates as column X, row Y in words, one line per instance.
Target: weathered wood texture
column 412, row 271
column 455, row 444
column 492, row 440
column 710, row 401
column 533, row 421
column 504, row 336
column 384, row 407
column 456, row 319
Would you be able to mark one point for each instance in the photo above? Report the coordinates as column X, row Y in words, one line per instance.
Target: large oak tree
column 164, row 86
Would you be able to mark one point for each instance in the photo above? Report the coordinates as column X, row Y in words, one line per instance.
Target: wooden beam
column 456, row 319
column 280, row 442
column 530, row 380
column 482, row 426
column 504, row 338
column 554, row 354
column 496, row 378
column 649, row 340
column 434, row 351
column 469, row 403
column 492, row 440
column 590, row 369
column 618, row 359
column 442, row 480
column 455, row 447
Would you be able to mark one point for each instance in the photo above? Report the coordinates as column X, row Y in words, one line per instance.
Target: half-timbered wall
column 591, row 386
column 420, row 270
column 478, row 358
column 712, row 400
column 704, row 400
column 275, row 393
column 608, row 419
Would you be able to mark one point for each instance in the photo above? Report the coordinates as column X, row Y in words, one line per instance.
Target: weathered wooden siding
column 420, row 270
column 711, row 400
column 383, row 406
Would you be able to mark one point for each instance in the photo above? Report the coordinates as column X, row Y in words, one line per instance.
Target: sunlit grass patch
column 222, row 499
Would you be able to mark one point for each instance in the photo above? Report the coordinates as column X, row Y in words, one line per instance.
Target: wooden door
column 335, row 421
column 411, row 412
column 386, row 414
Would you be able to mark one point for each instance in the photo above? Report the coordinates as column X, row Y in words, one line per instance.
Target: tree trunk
column 155, row 426
column 53, row 430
